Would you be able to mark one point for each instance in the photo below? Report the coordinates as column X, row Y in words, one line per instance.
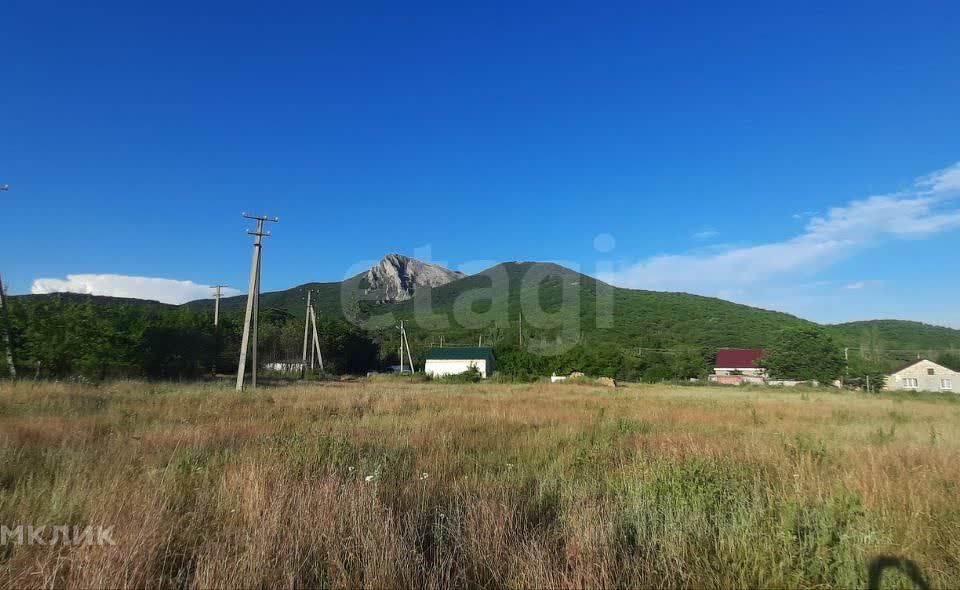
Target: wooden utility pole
column 11, row 366
column 253, row 303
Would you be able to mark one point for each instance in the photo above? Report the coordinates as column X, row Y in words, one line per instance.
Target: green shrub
column 471, row 375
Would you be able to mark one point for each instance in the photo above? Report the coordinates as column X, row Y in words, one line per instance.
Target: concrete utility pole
column 306, row 331
column 407, row 343
column 521, row 329
column 216, row 326
column 404, row 343
column 11, row 366
column 316, row 341
column 216, row 305
column 253, row 303
column 3, row 316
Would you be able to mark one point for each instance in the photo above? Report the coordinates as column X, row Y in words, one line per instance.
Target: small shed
column 924, row 375
column 453, row 360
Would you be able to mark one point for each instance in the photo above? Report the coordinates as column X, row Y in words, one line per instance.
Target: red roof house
column 738, row 358
column 738, row 365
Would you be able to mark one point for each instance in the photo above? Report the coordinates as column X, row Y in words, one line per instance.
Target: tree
column 656, row 373
column 950, row 360
column 871, row 344
column 862, row 371
column 519, row 363
column 689, row 363
column 804, row 354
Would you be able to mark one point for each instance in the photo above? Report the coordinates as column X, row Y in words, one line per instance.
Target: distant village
column 737, row 366
column 733, row 366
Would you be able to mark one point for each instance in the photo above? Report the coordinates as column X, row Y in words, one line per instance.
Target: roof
column 738, row 358
column 918, row 361
column 460, row 353
column 907, row 366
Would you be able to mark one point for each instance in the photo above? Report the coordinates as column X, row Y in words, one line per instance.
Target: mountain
column 394, row 278
column 397, row 277
column 559, row 306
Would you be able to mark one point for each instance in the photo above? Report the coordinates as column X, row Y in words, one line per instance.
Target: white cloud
column 858, row 285
column 705, row 234
column 924, row 210
column 157, row 289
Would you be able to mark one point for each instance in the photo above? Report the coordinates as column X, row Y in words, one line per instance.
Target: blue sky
column 705, row 147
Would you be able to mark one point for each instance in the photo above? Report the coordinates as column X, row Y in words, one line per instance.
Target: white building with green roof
column 453, row 360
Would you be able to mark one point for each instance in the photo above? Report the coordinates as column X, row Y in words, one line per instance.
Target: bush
column 471, row 375
column 657, row 373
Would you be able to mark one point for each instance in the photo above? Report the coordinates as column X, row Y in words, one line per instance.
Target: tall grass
column 386, row 483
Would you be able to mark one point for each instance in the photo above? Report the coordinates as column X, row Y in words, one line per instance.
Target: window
column 946, row 384
column 929, row 371
column 910, row 383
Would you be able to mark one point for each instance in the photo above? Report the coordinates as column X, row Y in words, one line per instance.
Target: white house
column 453, row 360
column 924, row 375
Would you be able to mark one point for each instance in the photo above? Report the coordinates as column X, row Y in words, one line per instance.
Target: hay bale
column 607, row 381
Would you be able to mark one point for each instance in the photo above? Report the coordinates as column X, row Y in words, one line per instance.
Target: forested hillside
column 896, row 335
column 570, row 321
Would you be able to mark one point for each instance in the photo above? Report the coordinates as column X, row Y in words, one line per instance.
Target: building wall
column 925, row 381
column 751, row 371
column 441, row 367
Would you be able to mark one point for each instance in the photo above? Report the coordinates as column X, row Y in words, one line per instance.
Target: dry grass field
column 386, row 483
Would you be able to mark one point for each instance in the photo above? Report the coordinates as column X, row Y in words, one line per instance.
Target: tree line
column 67, row 336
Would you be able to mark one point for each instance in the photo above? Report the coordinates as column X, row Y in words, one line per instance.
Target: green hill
column 579, row 307
column 488, row 304
column 560, row 307
column 897, row 335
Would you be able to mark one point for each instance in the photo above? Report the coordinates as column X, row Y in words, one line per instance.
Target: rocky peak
column 397, row 277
